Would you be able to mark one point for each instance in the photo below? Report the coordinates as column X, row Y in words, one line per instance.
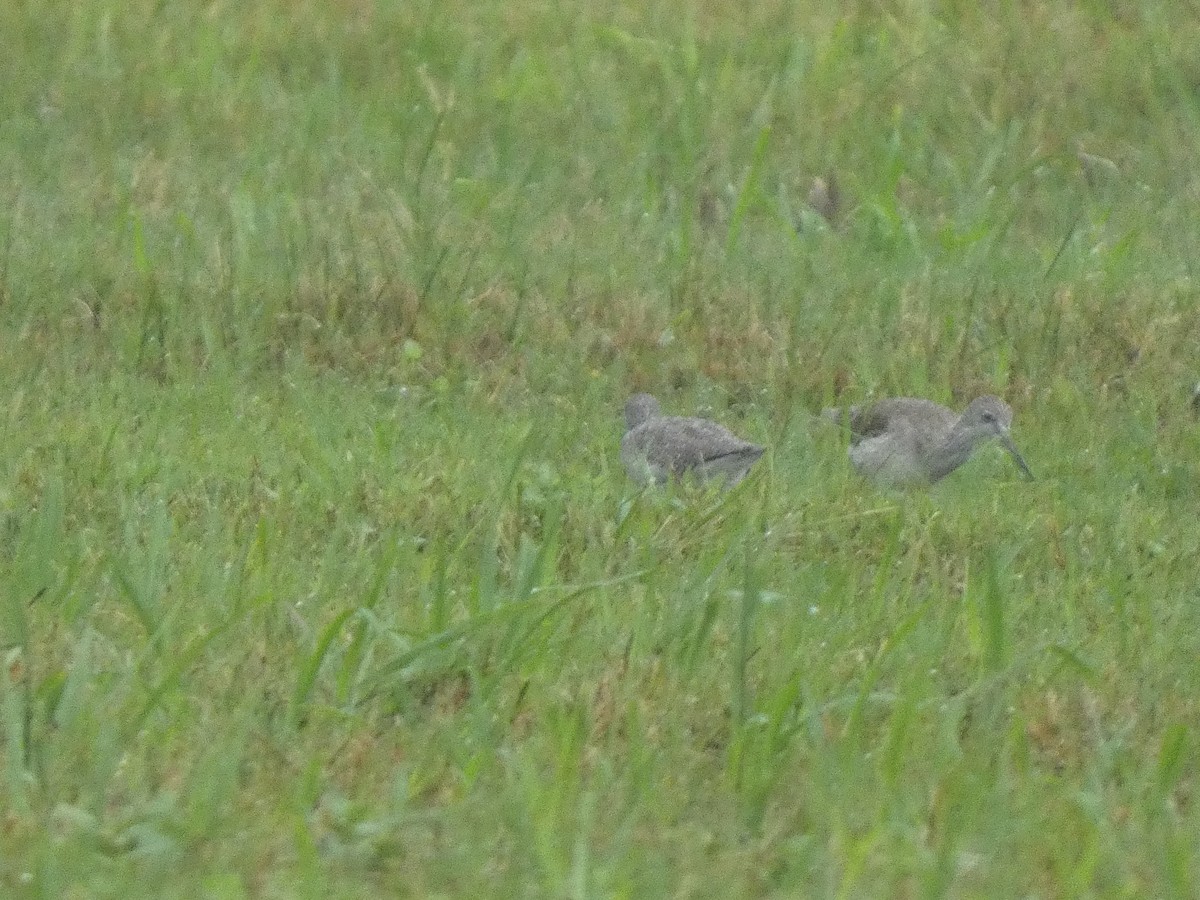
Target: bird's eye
column 989, row 417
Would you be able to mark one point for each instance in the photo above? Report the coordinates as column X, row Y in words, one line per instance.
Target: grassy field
column 319, row 575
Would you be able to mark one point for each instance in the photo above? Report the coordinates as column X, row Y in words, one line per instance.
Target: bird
column 907, row 441
column 657, row 448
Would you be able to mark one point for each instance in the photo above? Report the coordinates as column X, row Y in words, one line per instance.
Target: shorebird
column 906, row 441
column 657, row 447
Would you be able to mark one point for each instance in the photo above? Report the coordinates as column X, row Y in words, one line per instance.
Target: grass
column 319, row 573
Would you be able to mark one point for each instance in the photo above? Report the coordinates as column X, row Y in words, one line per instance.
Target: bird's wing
column 886, row 415
column 679, row 443
column 713, row 441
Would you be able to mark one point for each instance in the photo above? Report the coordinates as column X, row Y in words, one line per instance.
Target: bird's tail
column 841, row 416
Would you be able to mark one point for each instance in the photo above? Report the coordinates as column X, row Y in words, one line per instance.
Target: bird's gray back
column 930, row 422
column 686, row 441
column 677, row 445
